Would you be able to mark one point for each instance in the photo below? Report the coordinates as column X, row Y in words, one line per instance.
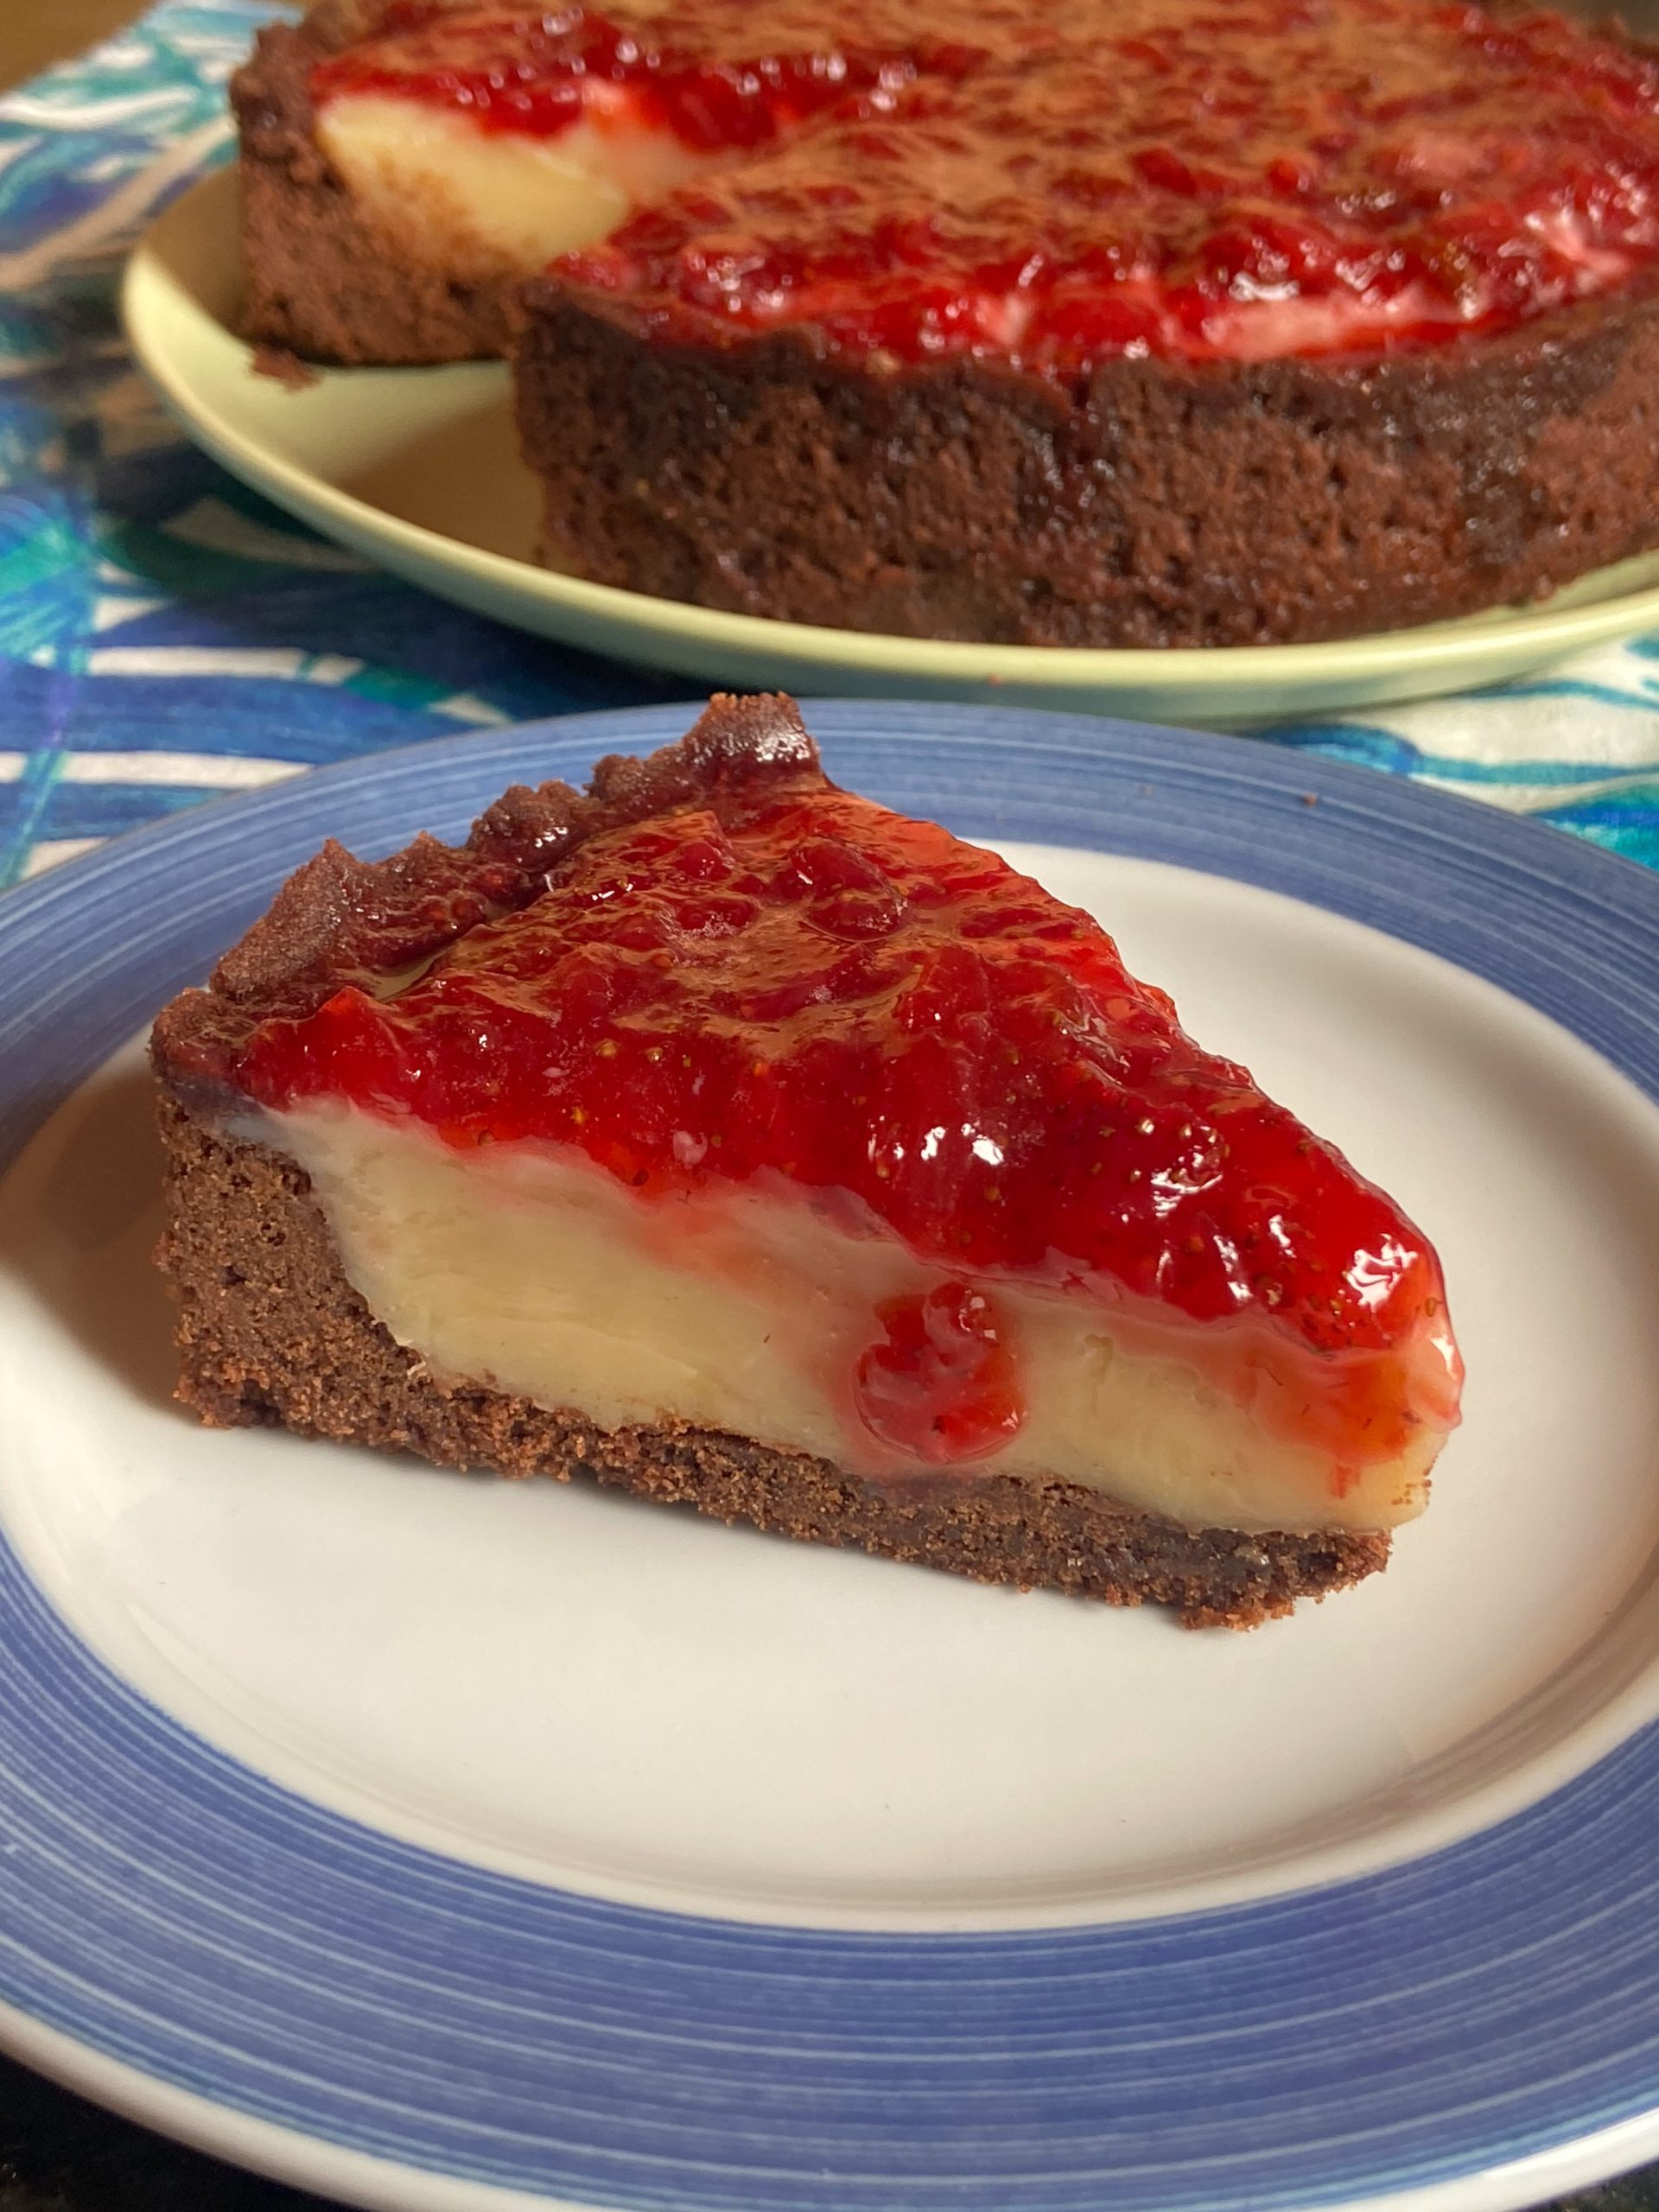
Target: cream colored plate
column 418, row 469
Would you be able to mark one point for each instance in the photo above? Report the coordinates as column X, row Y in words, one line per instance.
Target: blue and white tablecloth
column 165, row 636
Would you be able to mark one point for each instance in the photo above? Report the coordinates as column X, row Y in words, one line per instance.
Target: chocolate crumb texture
column 1154, row 504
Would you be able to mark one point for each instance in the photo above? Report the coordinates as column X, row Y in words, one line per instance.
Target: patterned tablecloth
column 166, row 636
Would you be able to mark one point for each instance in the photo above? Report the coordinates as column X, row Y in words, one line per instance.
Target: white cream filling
column 527, row 1267
column 480, row 203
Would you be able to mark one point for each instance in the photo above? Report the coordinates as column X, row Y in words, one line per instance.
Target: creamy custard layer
column 479, row 204
column 527, row 1268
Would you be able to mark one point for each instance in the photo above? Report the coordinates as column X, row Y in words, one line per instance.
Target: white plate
column 362, row 1734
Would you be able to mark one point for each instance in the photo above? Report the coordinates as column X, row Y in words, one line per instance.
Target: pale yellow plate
column 417, row 468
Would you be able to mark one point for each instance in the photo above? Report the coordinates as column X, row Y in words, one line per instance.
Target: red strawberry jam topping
column 794, row 982
column 539, row 73
column 1058, row 185
column 942, row 1385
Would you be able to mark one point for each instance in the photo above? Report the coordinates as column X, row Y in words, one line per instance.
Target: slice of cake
column 741, row 1141
column 1119, row 323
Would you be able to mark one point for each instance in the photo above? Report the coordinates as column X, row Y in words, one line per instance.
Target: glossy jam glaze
column 1059, row 185
column 809, row 985
column 705, row 80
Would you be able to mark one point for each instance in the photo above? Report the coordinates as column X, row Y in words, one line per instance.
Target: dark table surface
column 58, row 2154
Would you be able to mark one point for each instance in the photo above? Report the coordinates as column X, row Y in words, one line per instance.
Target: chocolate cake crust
column 321, row 283
column 1152, row 504
column 270, row 1332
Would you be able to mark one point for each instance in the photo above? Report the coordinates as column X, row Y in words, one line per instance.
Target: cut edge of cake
column 322, row 283
column 270, row 1331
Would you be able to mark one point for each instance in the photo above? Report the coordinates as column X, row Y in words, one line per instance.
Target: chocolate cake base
column 322, row 283
column 269, row 1331
column 1154, row 502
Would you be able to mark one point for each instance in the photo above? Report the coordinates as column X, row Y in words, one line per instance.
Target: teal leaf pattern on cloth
column 1577, row 746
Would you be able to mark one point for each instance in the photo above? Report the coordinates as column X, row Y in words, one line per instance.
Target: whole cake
column 1127, row 323
column 742, row 1143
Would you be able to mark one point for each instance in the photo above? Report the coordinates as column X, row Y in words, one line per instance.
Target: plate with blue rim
column 435, row 1842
